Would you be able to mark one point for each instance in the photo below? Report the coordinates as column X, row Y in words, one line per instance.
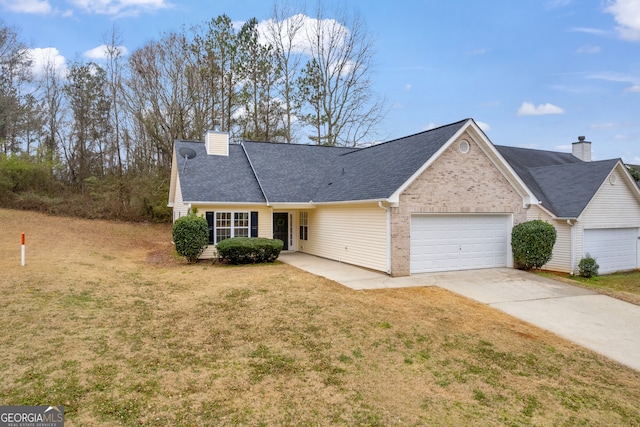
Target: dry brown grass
column 105, row 320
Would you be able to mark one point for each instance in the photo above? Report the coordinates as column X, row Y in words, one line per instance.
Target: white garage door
column 459, row 242
column 615, row 249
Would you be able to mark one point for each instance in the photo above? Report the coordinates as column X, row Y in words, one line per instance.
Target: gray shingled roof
column 376, row 172
column 293, row 173
column 562, row 182
column 217, row 178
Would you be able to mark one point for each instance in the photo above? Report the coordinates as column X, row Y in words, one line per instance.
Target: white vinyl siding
column 599, row 214
column 561, row 255
column 459, row 242
column 354, row 234
column 179, row 208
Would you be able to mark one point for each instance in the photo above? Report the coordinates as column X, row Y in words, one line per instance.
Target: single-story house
column 443, row 199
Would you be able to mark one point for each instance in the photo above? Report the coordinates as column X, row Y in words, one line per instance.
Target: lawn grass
column 106, row 321
column 624, row 285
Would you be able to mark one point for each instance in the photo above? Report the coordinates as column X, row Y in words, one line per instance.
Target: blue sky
column 532, row 73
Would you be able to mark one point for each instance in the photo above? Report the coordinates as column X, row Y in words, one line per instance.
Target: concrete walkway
column 603, row 324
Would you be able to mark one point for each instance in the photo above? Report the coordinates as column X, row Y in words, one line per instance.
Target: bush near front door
column 249, row 250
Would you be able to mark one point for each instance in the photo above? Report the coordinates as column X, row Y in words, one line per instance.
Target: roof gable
column 567, row 189
column 563, row 183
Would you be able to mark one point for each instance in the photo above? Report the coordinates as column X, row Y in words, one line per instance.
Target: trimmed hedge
column 532, row 243
column 191, row 236
column 249, row 250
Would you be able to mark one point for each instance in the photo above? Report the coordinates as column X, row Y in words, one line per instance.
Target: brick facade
column 455, row 183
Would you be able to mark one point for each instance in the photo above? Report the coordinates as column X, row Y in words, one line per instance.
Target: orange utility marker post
column 23, row 249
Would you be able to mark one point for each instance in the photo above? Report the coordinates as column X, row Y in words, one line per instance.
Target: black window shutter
column 254, row 224
column 210, row 222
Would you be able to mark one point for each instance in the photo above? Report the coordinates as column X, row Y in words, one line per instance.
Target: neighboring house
column 444, row 199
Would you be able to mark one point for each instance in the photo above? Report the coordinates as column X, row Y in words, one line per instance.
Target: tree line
column 97, row 140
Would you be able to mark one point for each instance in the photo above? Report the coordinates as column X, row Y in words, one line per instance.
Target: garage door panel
column 458, row 242
column 615, row 249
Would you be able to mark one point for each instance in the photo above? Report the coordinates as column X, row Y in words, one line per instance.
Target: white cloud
column 528, row 109
column 47, row 57
column 120, row 7
column 627, row 15
column 431, row 126
column 408, row 87
column 619, row 78
column 484, row 126
column 594, row 31
column 302, row 42
column 589, row 49
column 27, row 6
column 100, row 52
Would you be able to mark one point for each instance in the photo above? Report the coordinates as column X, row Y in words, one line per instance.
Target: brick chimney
column 581, row 149
column 217, row 143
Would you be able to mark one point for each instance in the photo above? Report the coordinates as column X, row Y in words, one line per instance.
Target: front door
column 281, row 228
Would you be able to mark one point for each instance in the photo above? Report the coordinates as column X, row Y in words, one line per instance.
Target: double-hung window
column 225, row 225
column 304, row 225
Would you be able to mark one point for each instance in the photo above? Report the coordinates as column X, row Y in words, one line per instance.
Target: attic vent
column 463, row 146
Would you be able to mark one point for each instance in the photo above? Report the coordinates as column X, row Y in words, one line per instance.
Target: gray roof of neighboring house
column 295, row 173
column 563, row 183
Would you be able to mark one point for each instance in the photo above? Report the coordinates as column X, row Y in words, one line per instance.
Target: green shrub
column 249, row 250
column 532, row 243
column 588, row 267
column 191, row 236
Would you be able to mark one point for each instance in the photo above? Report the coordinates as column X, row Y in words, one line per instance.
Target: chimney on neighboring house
column 581, row 149
column 217, row 143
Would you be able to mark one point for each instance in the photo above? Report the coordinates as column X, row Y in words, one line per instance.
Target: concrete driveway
column 603, row 324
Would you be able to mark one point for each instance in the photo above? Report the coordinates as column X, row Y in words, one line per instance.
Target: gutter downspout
column 388, row 211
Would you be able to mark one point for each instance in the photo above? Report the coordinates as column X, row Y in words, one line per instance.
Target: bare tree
column 342, row 54
column 160, row 98
column 258, row 73
column 53, row 109
column 89, row 105
column 283, row 33
column 217, row 49
column 15, row 72
column 114, row 75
